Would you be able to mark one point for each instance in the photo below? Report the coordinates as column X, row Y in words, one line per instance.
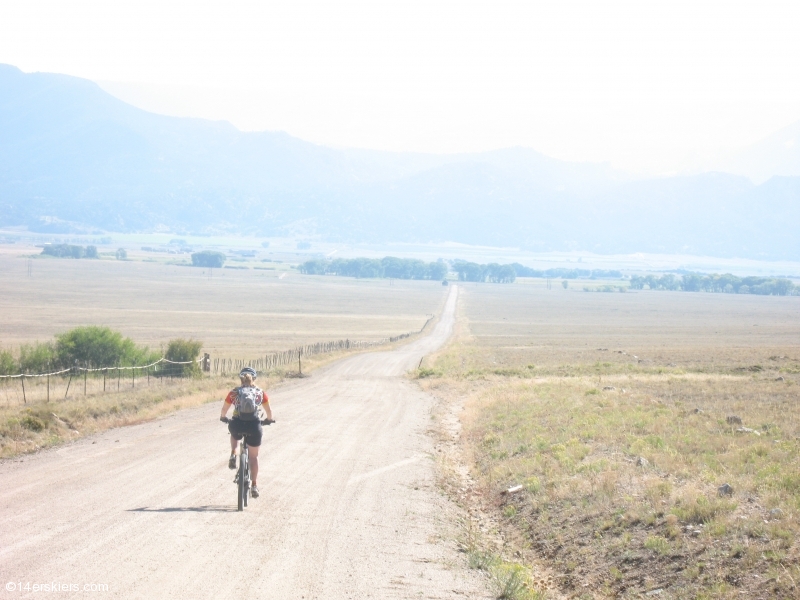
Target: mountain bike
column 242, row 479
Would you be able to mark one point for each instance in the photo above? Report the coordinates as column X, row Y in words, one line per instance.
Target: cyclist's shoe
column 232, row 462
column 254, row 491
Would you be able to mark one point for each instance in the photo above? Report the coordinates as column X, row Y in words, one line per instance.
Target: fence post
column 85, row 373
column 48, row 387
column 24, row 398
column 105, row 372
column 71, row 372
column 300, row 361
column 119, row 375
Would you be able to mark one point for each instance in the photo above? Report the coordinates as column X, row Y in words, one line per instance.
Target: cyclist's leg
column 253, row 443
column 252, row 453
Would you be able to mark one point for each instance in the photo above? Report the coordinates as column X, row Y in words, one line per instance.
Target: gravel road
column 349, row 506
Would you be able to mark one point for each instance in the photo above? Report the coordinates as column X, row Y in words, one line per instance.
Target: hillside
column 74, row 158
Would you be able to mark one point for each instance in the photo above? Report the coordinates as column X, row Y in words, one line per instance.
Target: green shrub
column 99, row 347
column 38, row 357
column 8, row 366
column 180, row 350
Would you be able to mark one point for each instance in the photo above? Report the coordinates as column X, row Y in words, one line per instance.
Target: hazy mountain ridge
column 71, row 152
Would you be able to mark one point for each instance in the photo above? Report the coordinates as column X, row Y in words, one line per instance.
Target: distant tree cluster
column 493, row 272
column 523, row 271
column 727, row 283
column 70, row 251
column 208, row 258
column 367, row 268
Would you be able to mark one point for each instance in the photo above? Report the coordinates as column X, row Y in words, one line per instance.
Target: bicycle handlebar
column 264, row 422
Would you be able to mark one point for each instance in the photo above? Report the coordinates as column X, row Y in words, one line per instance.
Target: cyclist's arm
column 267, row 409
column 226, row 404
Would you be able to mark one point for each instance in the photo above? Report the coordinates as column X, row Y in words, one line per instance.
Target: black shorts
column 250, row 429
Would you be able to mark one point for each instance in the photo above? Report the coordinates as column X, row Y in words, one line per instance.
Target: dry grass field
column 611, row 410
column 235, row 313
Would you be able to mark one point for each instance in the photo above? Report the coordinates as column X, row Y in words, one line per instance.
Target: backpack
column 248, row 403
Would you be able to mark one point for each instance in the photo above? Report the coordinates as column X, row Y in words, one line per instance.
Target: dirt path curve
column 349, row 507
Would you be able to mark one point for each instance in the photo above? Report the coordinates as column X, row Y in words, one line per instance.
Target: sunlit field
column 238, row 313
column 656, row 435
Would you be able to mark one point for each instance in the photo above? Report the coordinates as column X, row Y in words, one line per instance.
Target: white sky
column 654, row 86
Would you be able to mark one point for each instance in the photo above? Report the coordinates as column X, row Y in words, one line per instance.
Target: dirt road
column 349, row 508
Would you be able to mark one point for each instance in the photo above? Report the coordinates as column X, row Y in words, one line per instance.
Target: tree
column 208, row 258
column 564, row 283
column 181, row 350
column 91, row 251
column 121, row 254
column 437, row 270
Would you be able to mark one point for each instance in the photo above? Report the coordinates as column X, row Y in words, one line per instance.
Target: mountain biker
column 246, row 424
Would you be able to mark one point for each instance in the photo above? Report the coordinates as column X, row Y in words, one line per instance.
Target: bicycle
column 242, row 479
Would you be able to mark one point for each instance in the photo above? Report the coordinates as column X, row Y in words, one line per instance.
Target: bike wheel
column 246, row 479
column 242, row 486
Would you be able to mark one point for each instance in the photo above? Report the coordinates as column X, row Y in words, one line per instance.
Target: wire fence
column 86, row 380
column 47, row 386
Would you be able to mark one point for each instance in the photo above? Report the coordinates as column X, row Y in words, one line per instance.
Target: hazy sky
column 648, row 85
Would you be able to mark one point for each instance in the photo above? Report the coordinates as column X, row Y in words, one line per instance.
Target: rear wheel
column 246, row 479
column 242, row 487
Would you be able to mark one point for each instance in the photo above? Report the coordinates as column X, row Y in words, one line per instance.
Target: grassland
column 236, row 313
column 611, row 411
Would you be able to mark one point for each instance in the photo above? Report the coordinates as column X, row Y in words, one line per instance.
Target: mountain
column 74, row 158
column 776, row 154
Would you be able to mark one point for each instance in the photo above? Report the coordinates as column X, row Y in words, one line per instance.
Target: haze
column 652, row 88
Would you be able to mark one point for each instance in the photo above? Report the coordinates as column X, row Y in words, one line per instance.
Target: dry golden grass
column 38, row 425
column 621, row 485
column 237, row 314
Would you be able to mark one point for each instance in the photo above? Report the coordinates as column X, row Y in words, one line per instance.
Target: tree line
column 95, row 347
column 727, row 283
column 370, row 268
column 70, row 251
column 562, row 273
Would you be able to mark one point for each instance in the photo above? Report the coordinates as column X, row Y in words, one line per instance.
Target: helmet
column 248, row 371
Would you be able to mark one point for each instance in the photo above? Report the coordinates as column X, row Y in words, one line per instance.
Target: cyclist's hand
column 267, row 421
column 224, row 419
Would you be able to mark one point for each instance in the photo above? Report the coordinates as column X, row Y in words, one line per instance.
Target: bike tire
column 241, row 487
column 246, row 478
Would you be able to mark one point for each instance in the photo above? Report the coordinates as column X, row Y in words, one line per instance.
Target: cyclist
column 240, row 427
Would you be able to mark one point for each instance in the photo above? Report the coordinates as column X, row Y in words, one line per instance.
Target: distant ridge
column 74, row 158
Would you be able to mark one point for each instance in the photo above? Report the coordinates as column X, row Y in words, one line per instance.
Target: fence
column 164, row 368
column 160, row 369
column 277, row 360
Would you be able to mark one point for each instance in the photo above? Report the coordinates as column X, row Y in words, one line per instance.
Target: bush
column 180, row 350
column 37, row 357
column 208, row 258
column 8, row 366
column 99, row 347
